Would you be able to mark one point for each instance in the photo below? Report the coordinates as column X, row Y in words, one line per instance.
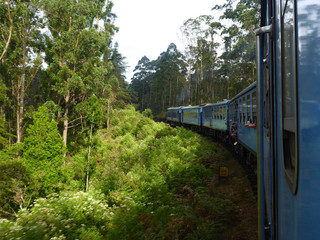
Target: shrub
column 67, row 216
column 43, row 152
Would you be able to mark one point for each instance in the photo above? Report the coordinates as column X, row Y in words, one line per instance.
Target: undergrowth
column 147, row 181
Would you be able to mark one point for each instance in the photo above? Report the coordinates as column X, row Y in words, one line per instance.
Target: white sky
column 147, row 27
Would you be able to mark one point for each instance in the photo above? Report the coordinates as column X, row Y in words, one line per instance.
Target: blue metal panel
column 191, row 115
column 218, row 124
column 298, row 215
column 248, row 137
column 173, row 114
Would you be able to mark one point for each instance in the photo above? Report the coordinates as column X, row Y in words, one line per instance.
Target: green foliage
column 91, row 108
column 159, row 82
column 14, row 186
column 43, row 152
column 3, row 133
column 67, row 216
column 147, row 181
column 200, row 75
column 145, row 169
column 147, row 113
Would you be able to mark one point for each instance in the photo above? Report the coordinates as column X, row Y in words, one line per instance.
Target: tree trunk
column 65, row 126
column 20, row 99
column 66, row 121
column 10, row 33
column 19, row 123
column 201, row 73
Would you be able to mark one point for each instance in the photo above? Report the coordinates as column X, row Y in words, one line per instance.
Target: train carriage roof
column 190, row 107
column 224, row 102
column 174, row 108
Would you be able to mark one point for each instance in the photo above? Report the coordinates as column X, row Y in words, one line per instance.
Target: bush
column 152, row 177
column 66, row 216
column 43, row 152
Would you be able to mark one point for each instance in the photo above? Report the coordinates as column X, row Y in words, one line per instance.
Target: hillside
column 146, row 180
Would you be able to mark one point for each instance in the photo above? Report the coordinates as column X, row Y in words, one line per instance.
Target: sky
column 147, row 27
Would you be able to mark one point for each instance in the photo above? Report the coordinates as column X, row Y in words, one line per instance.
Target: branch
column 80, row 118
column 33, row 75
column 73, row 126
column 10, row 33
column 9, row 213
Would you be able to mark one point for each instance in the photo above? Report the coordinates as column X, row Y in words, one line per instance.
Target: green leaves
column 43, row 152
column 158, row 82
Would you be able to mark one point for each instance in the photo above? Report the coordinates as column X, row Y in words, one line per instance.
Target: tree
column 77, row 50
column 201, row 54
column 21, row 57
column 92, row 110
column 238, row 60
column 140, row 81
column 43, row 152
column 6, row 28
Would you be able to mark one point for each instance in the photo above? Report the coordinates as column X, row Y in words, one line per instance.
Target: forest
column 198, row 74
column 80, row 156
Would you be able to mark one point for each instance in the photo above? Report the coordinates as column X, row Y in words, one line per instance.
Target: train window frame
column 289, row 99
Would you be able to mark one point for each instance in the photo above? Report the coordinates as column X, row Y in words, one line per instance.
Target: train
column 277, row 120
column 229, row 121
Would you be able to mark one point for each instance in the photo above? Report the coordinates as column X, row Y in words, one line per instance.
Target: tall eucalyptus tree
column 78, row 39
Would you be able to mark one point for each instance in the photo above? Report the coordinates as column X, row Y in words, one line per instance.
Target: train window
column 289, row 94
column 244, row 110
column 206, row 113
column 254, row 107
column 232, row 112
column 217, row 113
column 248, row 108
column 214, row 112
column 236, row 111
column 222, row 112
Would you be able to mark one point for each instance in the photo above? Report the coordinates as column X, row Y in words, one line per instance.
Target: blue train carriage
column 191, row 116
column 174, row 116
column 243, row 114
column 215, row 118
column 288, row 67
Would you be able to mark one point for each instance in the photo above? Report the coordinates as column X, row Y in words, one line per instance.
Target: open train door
column 265, row 127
